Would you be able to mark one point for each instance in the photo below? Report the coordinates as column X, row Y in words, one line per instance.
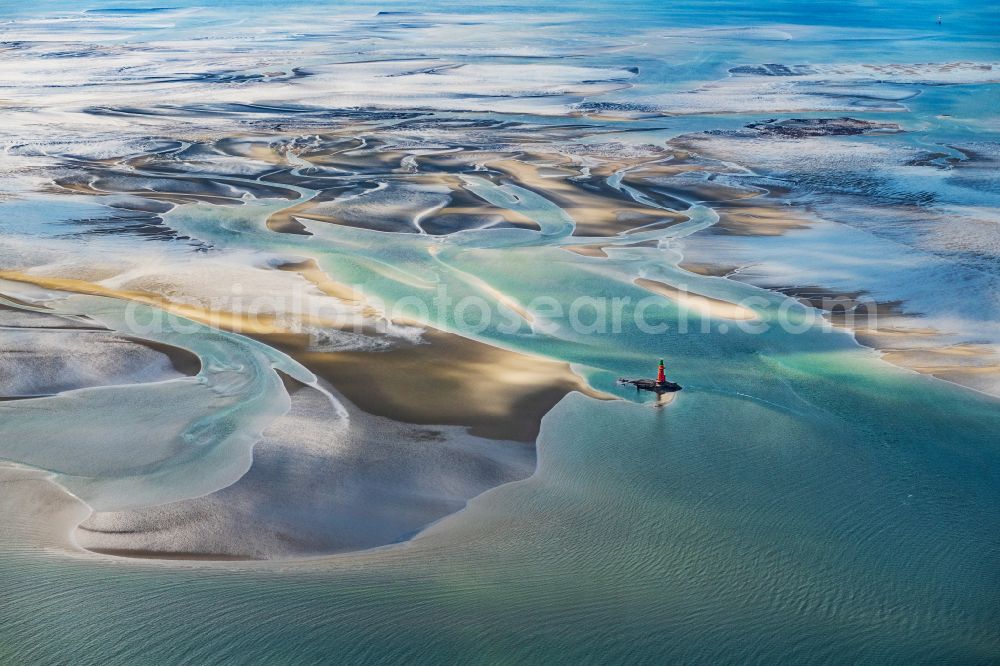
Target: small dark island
column 659, row 386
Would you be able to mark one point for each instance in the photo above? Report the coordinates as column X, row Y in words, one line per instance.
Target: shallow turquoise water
column 801, row 501
column 855, row 536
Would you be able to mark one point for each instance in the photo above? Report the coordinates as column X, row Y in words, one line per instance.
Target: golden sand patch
column 311, row 271
column 710, row 307
column 590, row 250
column 595, row 214
column 238, row 322
column 446, row 380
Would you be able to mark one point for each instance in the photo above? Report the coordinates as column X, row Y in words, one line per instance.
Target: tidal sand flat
column 709, row 307
column 447, row 379
column 319, row 484
column 311, row 321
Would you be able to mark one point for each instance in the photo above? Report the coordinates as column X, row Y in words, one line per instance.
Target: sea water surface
column 801, row 500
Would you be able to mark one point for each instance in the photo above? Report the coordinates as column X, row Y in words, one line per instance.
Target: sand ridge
column 706, row 305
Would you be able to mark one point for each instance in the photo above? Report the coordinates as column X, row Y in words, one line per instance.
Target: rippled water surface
column 804, row 499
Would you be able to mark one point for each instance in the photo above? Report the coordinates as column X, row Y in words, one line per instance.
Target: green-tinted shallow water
column 721, row 529
column 800, row 501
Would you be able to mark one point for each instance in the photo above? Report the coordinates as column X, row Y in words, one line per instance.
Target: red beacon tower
column 659, row 386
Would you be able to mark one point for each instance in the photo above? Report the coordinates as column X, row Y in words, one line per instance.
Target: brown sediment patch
column 706, row 190
column 465, row 206
column 170, row 187
column 456, row 161
column 446, row 380
column 887, row 327
column 676, row 160
column 709, row 270
column 459, row 220
column 311, row 271
column 283, row 222
column 473, row 214
column 184, row 361
column 654, row 173
column 166, row 197
column 283, row 150
column 286, row 220
column 259, row 148
column 595, row 250
column 598, row 210
column 855, row 310
column 757, row 217
column 459, row 208
column 839, row 304
column 711, row 307
column 371, row 157
column 679, row 182
column 750, row 211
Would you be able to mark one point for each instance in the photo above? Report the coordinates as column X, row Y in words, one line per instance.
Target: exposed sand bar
column 707, row 269
column 446, row 380
column 318, row 487
column 596, row 250
column 756, row 220
column 309, row 270
column 595, row 213
column 323, row 481
column 43, row 354
column 975, row 365
column 710, row 307
column 184, row 361
column 902, row 339
column 238, row 322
